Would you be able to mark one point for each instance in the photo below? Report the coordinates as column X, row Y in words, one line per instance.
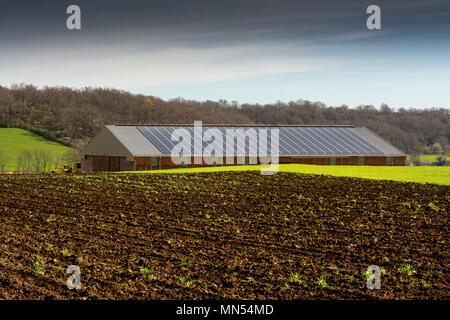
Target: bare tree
column 36, row 161
column 415, row 159
column 20, row 161
column 71, row 156
column 58, row 112
column 4, row 158
column 46, row 157
column 56, row 161
column 24, row 161
column 446, row 149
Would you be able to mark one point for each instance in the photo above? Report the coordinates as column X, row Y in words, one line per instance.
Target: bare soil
column 236, row 235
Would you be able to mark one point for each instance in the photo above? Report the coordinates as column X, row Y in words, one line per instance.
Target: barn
column 148, row 147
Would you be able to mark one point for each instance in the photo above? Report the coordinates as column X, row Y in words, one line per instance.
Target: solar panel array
column 292, row 140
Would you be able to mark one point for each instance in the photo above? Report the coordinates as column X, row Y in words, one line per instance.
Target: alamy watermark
column 374, row 20
column 73, row 22
column 262, row 147
column 374, row 278
column 74, row 281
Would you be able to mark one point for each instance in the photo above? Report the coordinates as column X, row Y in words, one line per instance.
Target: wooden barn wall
column 126, row 165
column 375, row 161
column 101, row 163
column 306, row 160
column 87, row 164
column 92, row 163
column 350, row 161
column 105, row 163
column 399, row 161
column 114, row 164
column 144, row 163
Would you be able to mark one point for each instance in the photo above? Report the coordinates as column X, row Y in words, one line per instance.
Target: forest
column 74, row 116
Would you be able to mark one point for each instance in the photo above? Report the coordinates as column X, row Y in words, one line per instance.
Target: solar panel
column 367, row 147
column 292, row 140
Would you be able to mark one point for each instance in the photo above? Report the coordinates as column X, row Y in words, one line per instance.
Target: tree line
column 74, row 116
column 37, row 160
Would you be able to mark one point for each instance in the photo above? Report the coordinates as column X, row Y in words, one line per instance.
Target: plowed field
column 221, row 235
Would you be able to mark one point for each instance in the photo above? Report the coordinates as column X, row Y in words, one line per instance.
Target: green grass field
column 430, row 157
column 435, row 175
column 13, row 140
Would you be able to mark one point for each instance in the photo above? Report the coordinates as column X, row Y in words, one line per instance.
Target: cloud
column 96, row 66
column 194, row 44
column 350, row 36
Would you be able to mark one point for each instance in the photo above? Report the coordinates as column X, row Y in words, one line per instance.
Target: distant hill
column 59, row 112
column 13, row 140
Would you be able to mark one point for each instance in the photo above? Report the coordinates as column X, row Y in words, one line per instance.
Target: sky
column 250, row 51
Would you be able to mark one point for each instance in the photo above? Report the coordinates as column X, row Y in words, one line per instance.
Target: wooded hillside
column 58, row 112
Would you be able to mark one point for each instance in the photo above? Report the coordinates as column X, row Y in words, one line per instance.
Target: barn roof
column 294, row 140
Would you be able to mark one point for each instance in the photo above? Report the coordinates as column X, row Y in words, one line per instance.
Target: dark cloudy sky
column 246, row 50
